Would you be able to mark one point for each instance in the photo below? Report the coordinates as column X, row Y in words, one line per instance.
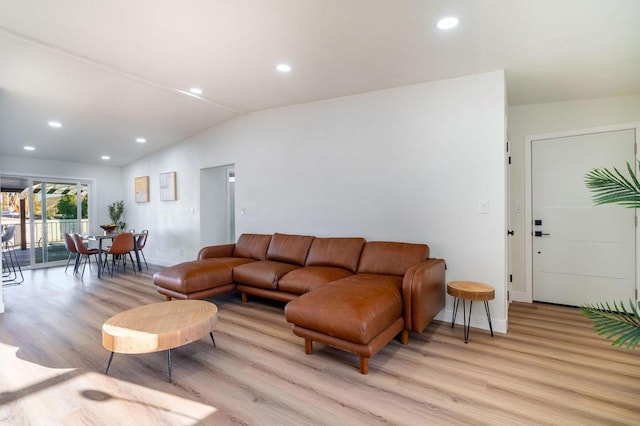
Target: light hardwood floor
column 551, row 368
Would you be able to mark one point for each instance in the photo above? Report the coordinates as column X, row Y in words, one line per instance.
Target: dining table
column 110, row 236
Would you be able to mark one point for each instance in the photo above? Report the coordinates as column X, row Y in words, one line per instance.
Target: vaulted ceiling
column 111, row 71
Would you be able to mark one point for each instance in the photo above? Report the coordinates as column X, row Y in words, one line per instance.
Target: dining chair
column 84, row 252
column 141, row 241
column 11, row 269
column 122, row 245
column 70, row 245
column 7, row 236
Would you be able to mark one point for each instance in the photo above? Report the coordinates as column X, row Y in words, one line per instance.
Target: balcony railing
column 55, row 229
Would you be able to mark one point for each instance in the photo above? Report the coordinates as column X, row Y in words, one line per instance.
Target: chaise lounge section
column 344, row 292
column 396, row 290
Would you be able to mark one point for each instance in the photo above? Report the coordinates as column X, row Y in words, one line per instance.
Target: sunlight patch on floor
column 132, row 404
column 78, row 396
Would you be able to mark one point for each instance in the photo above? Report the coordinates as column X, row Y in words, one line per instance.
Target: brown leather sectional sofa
column 345, row 292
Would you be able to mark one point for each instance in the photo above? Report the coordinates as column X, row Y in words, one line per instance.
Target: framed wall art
column 168, row 186
column 142, row 189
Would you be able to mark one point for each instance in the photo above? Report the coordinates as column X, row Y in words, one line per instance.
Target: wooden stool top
column 159, row 326
column 470, row 290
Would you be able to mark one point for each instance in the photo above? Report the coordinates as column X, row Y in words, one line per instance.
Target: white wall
column 406, row 164
column 529, row 120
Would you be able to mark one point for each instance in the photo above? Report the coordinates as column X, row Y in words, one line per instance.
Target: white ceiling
column 114, row 70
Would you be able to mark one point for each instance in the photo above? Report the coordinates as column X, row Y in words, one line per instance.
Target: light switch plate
column 483, row 206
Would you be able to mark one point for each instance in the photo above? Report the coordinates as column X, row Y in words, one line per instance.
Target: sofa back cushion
column 337, row 252
column 289, row 248
column 390, row 258
column 252, row 246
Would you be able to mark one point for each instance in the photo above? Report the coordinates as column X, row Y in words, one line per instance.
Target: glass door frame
column 90, row 185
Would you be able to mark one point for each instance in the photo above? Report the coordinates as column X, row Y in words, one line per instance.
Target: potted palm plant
column 116, row 214
column 618, row 324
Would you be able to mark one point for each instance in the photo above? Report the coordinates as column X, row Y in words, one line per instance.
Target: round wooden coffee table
column 158, row 327
column 472, row 291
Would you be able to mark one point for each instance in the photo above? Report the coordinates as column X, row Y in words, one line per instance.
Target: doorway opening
column 217, row 205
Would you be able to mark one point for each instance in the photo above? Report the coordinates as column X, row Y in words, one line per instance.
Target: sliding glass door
column 41, row 212
column 58, row 207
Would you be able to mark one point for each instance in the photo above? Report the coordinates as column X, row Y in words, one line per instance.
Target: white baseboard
column 520, row 296
column 161, row 262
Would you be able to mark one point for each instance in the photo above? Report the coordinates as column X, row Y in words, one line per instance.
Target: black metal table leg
column 137, row 252
column 486, row 308
column 170, row 378
column 467, row 325
column 467, row 322
column 109, row 363
column 100, row 265
column 456, row 302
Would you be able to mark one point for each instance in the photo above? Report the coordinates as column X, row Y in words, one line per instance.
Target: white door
column 582, row 253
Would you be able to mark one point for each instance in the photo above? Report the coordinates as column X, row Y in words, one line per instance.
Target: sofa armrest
column 224, row 250
column 423, row 293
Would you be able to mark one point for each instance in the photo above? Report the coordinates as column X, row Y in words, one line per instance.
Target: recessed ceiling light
column 283, row 68
column 196, row 90
column 141, row 140
column 55, row 124
column 448, row 23
column 29, row 148
column 106, row 157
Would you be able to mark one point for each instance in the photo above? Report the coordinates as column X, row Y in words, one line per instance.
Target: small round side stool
column 471, row 291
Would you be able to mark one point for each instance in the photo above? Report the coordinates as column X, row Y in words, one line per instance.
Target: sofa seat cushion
column 355, row 308
column 302, row 280
column 262, row 274
column 188, row 277
column 373, row 279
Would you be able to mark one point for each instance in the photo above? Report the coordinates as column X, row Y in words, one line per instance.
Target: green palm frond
column 616, row 323
column 613, row 187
